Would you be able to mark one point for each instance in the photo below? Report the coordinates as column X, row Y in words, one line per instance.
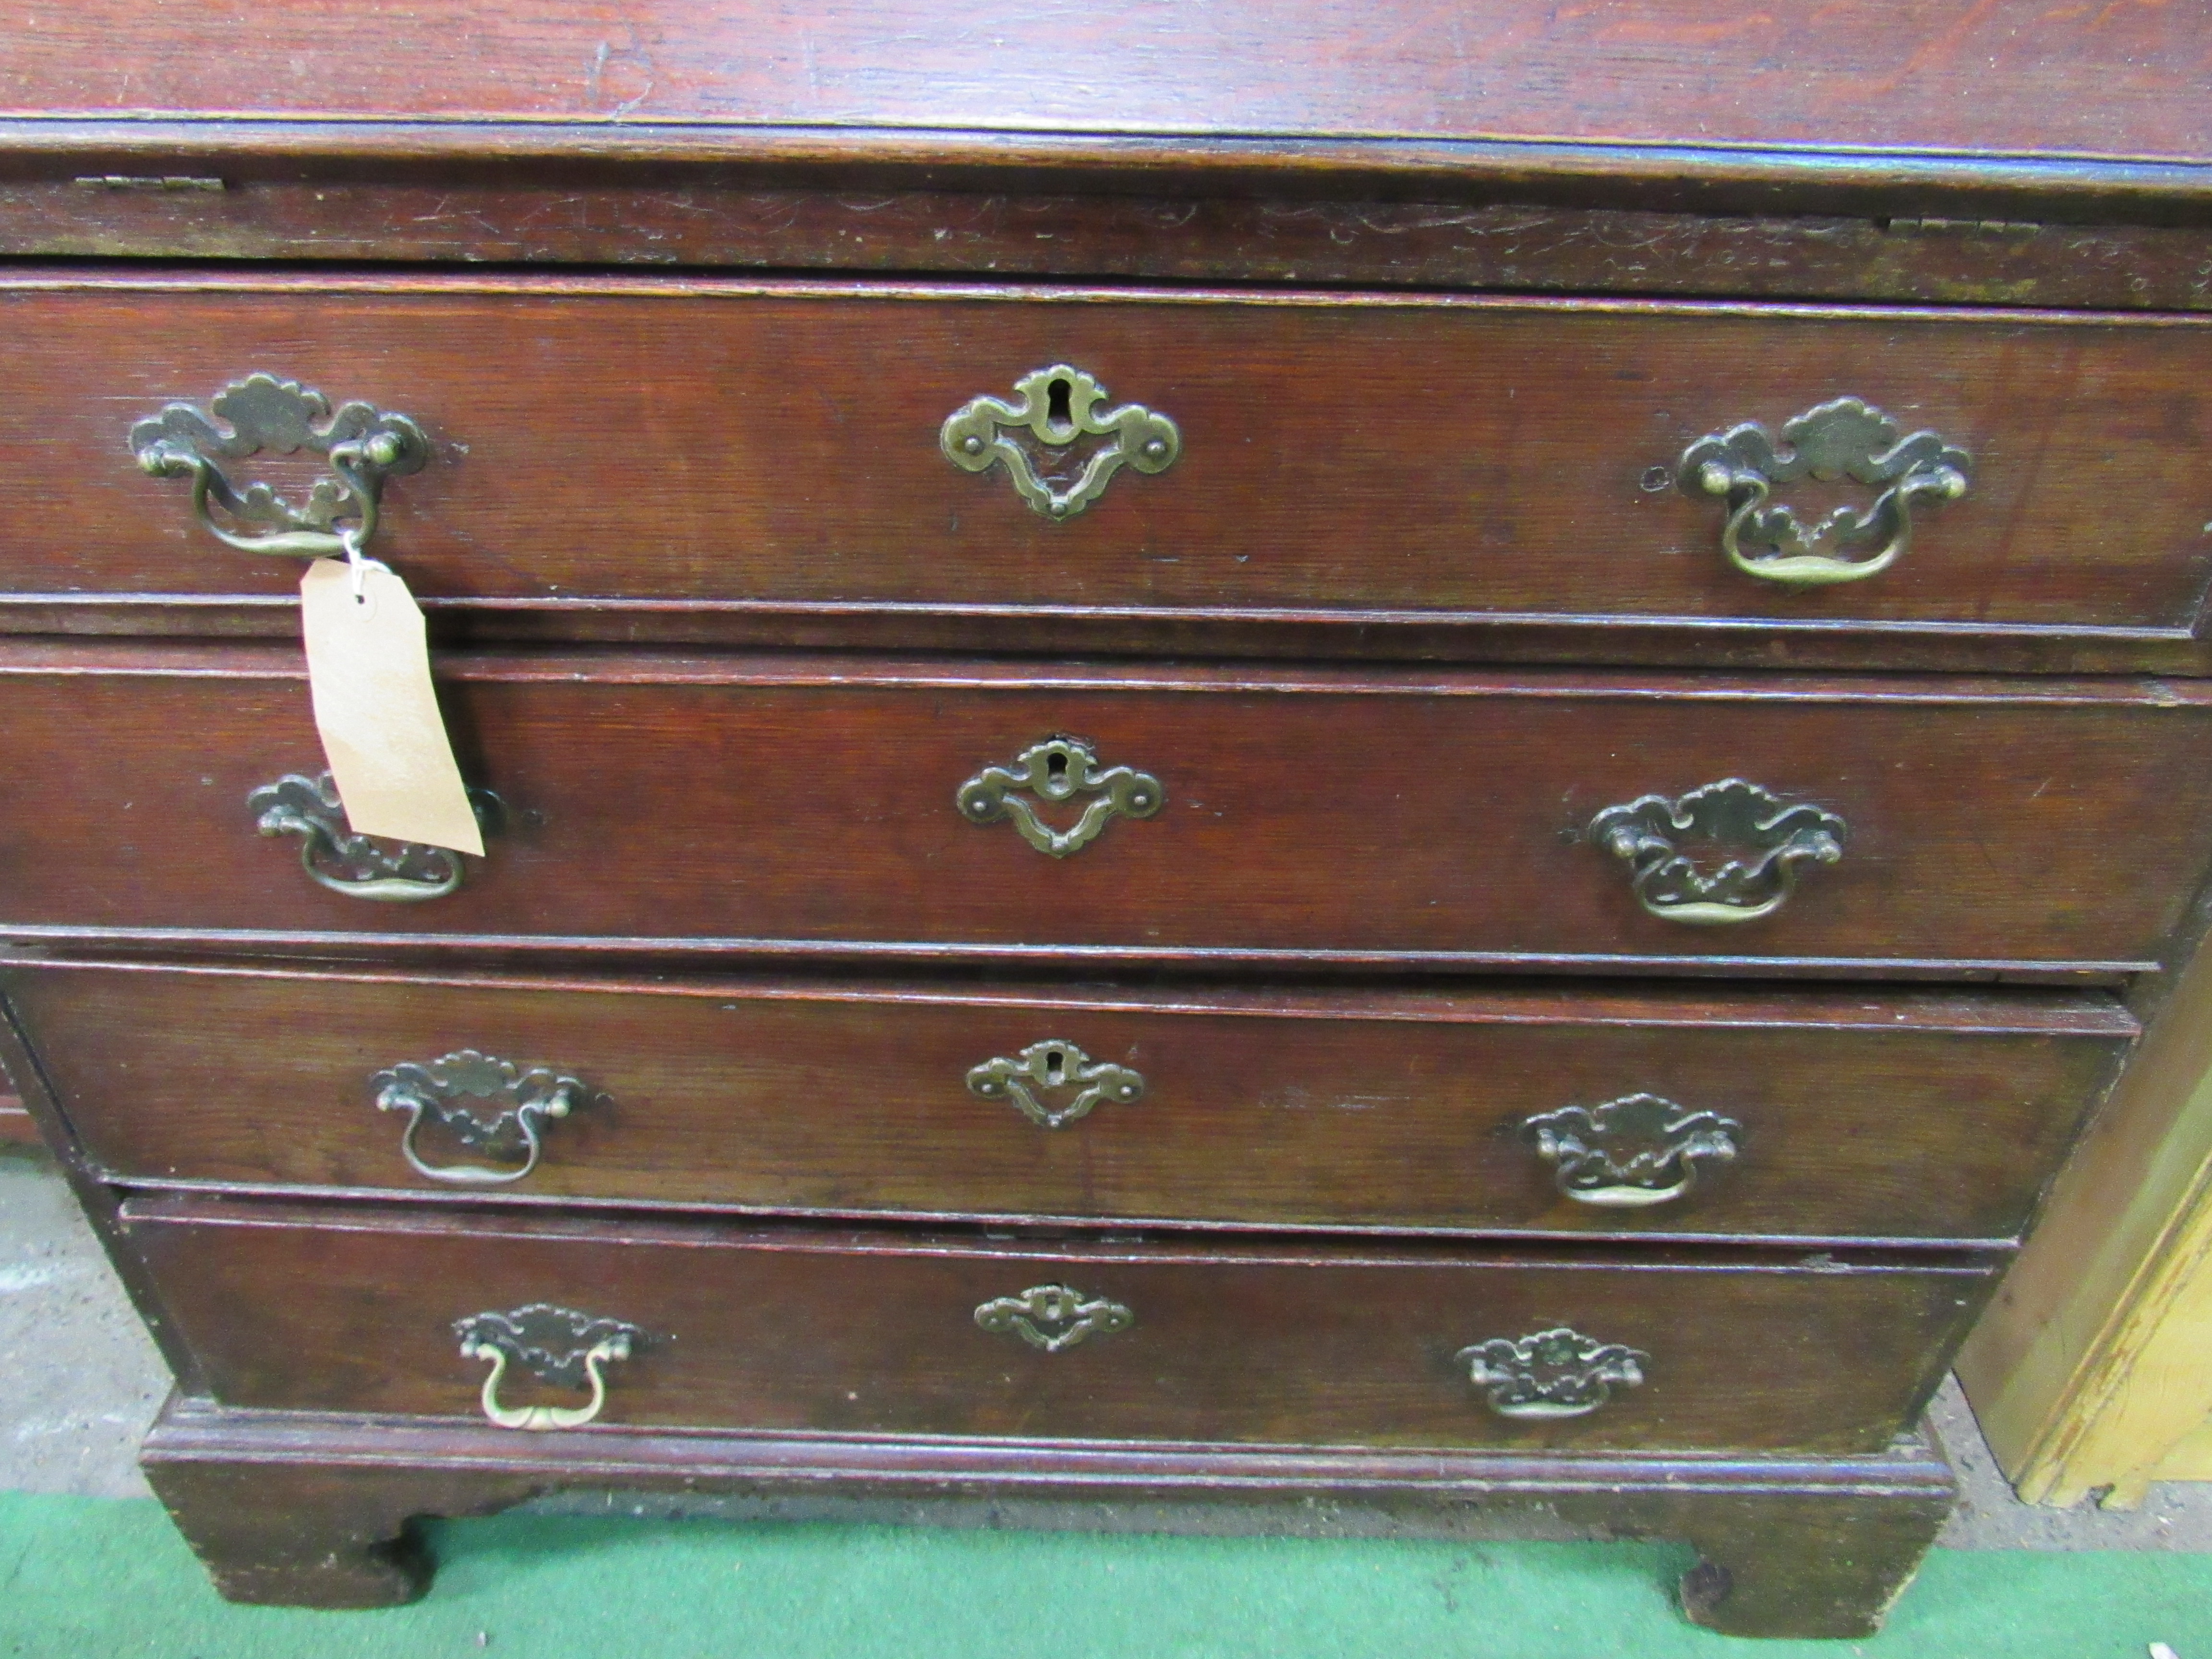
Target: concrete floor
column 83, row 1381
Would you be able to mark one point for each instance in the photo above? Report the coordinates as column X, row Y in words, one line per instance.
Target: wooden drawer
column 813, row 806
column 1910, row 1117
column 857, row 1332
column 1377, row 461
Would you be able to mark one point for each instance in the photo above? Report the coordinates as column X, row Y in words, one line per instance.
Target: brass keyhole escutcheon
column 1054, row 1317
column 1056, row 771
column 1056, row 409
column 1028, row 1080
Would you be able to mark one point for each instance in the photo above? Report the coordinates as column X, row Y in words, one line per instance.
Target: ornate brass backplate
column 1058, row 770
column 1846, row 439
column 1054, row 1317
column 359, row 866
column 1058, row 407
column 557, row 1344
column 1631, row 1152
column 1054, row 1068
column 1551, row 1374
column 1651, row 832
column 448, row 1090
column 363, row 448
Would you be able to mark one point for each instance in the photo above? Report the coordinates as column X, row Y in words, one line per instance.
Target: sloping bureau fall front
column 1423, row 756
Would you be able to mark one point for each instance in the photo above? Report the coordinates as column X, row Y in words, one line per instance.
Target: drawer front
column 864, row 808
column 1803, row 1117
column 859, row 1332
column 784, row 446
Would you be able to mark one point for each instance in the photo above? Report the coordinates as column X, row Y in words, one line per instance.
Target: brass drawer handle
column 1736, row 819
column 362, row 446
column 555, row 1344
column 359, row 866
column 1551, row 1374
column 1054, row 1068
column 1629, row 1153
column 1846, row 439
column 1059, row 404
column 1058, row 770
column 447, row 1089
column 1054, row 1317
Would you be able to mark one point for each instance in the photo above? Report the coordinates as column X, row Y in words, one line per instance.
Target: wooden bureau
column 1421, row 758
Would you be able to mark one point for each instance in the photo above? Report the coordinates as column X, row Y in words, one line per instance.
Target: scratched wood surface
column 1961, row 244
column 1994, row 76
column 1934, row 1115
column 857, row 1332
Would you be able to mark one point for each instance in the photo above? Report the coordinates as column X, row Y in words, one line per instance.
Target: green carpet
column 87, row 1578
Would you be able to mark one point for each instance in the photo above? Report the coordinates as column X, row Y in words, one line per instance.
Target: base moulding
column 315, row 1509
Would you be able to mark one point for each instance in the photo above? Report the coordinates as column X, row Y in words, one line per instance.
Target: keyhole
column 1057, row 414
column 1055, row 767
column 1055, row 1068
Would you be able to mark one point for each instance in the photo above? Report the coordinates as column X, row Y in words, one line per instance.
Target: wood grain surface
column 1994, row 76
column 353, row 1310
column 1312, row 817
column 700, row 443
column 1934, row 1116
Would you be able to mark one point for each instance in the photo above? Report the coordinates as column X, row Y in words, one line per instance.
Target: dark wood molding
column 1592, row 1003
column 1960, row 186
column 899, row 956
column 310, row 1509
column 1502, row 224
column 1013, row 631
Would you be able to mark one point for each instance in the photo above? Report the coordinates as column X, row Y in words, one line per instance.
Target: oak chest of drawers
column 1423, row 757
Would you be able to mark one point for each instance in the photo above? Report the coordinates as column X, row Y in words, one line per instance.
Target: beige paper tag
column 369, row 669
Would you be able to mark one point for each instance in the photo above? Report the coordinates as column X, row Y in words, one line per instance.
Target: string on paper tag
column 368, row 670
